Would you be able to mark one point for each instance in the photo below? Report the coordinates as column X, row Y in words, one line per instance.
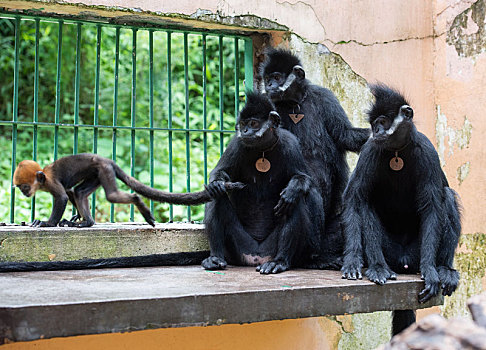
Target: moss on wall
column 471, row 263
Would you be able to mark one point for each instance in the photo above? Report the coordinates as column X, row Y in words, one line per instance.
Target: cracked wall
column 433, row 51
column 459, row 99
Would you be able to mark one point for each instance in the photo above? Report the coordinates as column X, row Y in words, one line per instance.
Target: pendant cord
column 270, row 148
column 299, row 103
column 401, row 149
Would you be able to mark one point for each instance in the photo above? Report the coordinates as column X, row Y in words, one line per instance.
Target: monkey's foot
column 432, row 285
column 449, row 279
column 214, row 263
column 351, row 269
column 272, row 267
column 380, row 274
column 149, row 218
column 68, row 223
column 38, row 223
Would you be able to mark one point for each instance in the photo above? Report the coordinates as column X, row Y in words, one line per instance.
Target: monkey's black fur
column 171, row 259
column 404, row 221
column 325, row 134
column 274, row 222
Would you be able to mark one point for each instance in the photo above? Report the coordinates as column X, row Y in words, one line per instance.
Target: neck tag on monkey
column 296, row 117
column 262, row 164
column 396, row 163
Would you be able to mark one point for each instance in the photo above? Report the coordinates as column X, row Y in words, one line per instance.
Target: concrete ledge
column 66, row 303
column 24, row 243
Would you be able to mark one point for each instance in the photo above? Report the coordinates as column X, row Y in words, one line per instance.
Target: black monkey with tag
column 315, row 116
column 273, row 223
column 400, row 214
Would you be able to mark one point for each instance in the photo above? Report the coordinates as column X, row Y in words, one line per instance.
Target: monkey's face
column 282, row 86
column 393, row 131
column 273, row 82
column 26, row 189
column 252, row 132
column 256, row 131
column 28, row 177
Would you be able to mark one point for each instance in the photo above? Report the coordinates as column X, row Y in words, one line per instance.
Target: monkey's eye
column 277, row 77
column 24, row 187
column 254, row 124
column 382, row 122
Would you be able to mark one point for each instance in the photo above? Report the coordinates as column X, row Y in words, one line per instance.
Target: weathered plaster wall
column 459, row 99
column 434, row 51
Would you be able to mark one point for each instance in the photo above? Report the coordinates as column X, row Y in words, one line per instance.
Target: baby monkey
column 75, row 177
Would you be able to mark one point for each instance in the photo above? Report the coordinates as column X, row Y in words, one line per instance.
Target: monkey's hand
column 449, row 279
column 432, row 284
column 38, row 223
column 273, row 267
column 287, row 201
column 351, row 269
column 216, row 188
column 380, row 274
column 214, row 263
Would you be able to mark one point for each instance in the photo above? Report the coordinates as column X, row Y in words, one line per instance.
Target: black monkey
column 273, row 223
column 314, row 115
column 400, row 213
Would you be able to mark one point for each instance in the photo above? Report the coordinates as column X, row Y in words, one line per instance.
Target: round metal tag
column 262, row 165
column 396, row 163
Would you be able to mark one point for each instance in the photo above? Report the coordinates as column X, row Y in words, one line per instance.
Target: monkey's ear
column 299, row 71
column 275, row 118
column 406, row 111
column 41, row 177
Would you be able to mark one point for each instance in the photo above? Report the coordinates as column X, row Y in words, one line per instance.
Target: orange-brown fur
column 25, row 174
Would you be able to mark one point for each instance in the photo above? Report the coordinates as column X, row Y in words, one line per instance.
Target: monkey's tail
column 193, row 198
column 171, row 259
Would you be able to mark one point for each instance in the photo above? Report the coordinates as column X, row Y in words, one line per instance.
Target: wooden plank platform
column 36, row 305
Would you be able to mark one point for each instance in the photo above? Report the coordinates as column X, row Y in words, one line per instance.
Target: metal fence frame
column 56, row 125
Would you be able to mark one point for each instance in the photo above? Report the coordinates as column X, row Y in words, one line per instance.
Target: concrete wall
column 433, row 51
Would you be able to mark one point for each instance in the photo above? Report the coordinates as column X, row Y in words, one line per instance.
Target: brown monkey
column 75, row 177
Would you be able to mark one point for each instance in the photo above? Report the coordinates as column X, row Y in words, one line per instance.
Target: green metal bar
column 15, row 114
column 248, row 64
column 221, row 95
column 36, row 105
column 237, row 78
column 188, row 136
column 76, row 88
column 134, row 110
column 115, row 107
column 96, row 108
column 169, row 88
column 205, row 112
column 151, row 110
column 140, row 128
column 76, row 94
column 97, row 90
column 36, row 88
column 58, row 89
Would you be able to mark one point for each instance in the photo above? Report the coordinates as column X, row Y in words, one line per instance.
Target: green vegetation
column 48, row 42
